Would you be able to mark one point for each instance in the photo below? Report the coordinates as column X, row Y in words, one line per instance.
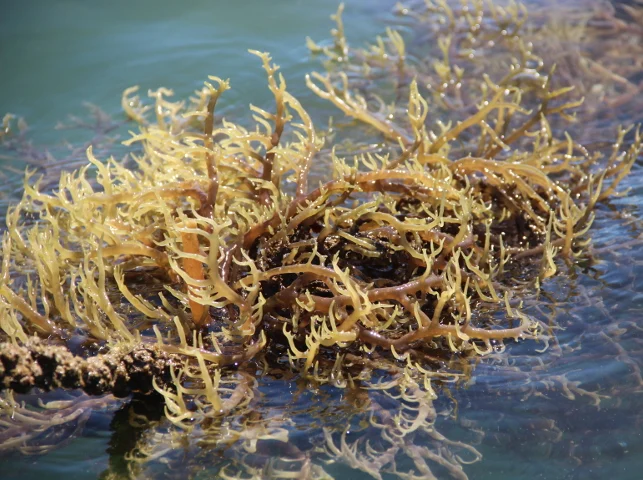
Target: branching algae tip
column 223, row 259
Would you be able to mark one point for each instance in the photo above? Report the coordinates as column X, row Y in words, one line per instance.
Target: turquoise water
column 56, row 55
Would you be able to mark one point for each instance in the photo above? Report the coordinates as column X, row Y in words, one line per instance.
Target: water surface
column 524, row 418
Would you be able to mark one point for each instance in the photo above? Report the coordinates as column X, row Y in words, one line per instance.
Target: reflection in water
column 570, row 408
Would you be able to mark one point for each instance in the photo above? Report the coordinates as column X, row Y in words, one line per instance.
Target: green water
column 56, row 55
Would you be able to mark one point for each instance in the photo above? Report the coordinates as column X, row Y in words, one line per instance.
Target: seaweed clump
column 216, row 256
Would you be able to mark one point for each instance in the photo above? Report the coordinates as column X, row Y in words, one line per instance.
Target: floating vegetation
column 217, row 268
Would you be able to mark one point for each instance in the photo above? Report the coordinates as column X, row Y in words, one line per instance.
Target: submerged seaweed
column 213, row 272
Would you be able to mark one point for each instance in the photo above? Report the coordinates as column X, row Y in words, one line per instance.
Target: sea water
column 54, row 56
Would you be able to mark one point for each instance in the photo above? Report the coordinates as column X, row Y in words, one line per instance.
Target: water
column 57, row 55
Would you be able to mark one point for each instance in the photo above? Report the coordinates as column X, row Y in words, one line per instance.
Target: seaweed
column 215, row 265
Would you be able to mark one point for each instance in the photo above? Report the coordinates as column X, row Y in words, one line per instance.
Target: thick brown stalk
column 446, row 330
column 288, row 297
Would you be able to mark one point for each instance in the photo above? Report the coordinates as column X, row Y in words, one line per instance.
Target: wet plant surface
column 440, row 283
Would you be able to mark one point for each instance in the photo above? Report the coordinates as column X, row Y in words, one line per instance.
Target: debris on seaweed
column 216, row 257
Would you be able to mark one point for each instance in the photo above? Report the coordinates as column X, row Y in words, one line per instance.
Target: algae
column 215, row 267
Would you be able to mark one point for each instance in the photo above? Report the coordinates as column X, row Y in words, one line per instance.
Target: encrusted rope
column 121, row 373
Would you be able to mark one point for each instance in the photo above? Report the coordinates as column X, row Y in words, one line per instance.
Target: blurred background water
column 55, row 55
